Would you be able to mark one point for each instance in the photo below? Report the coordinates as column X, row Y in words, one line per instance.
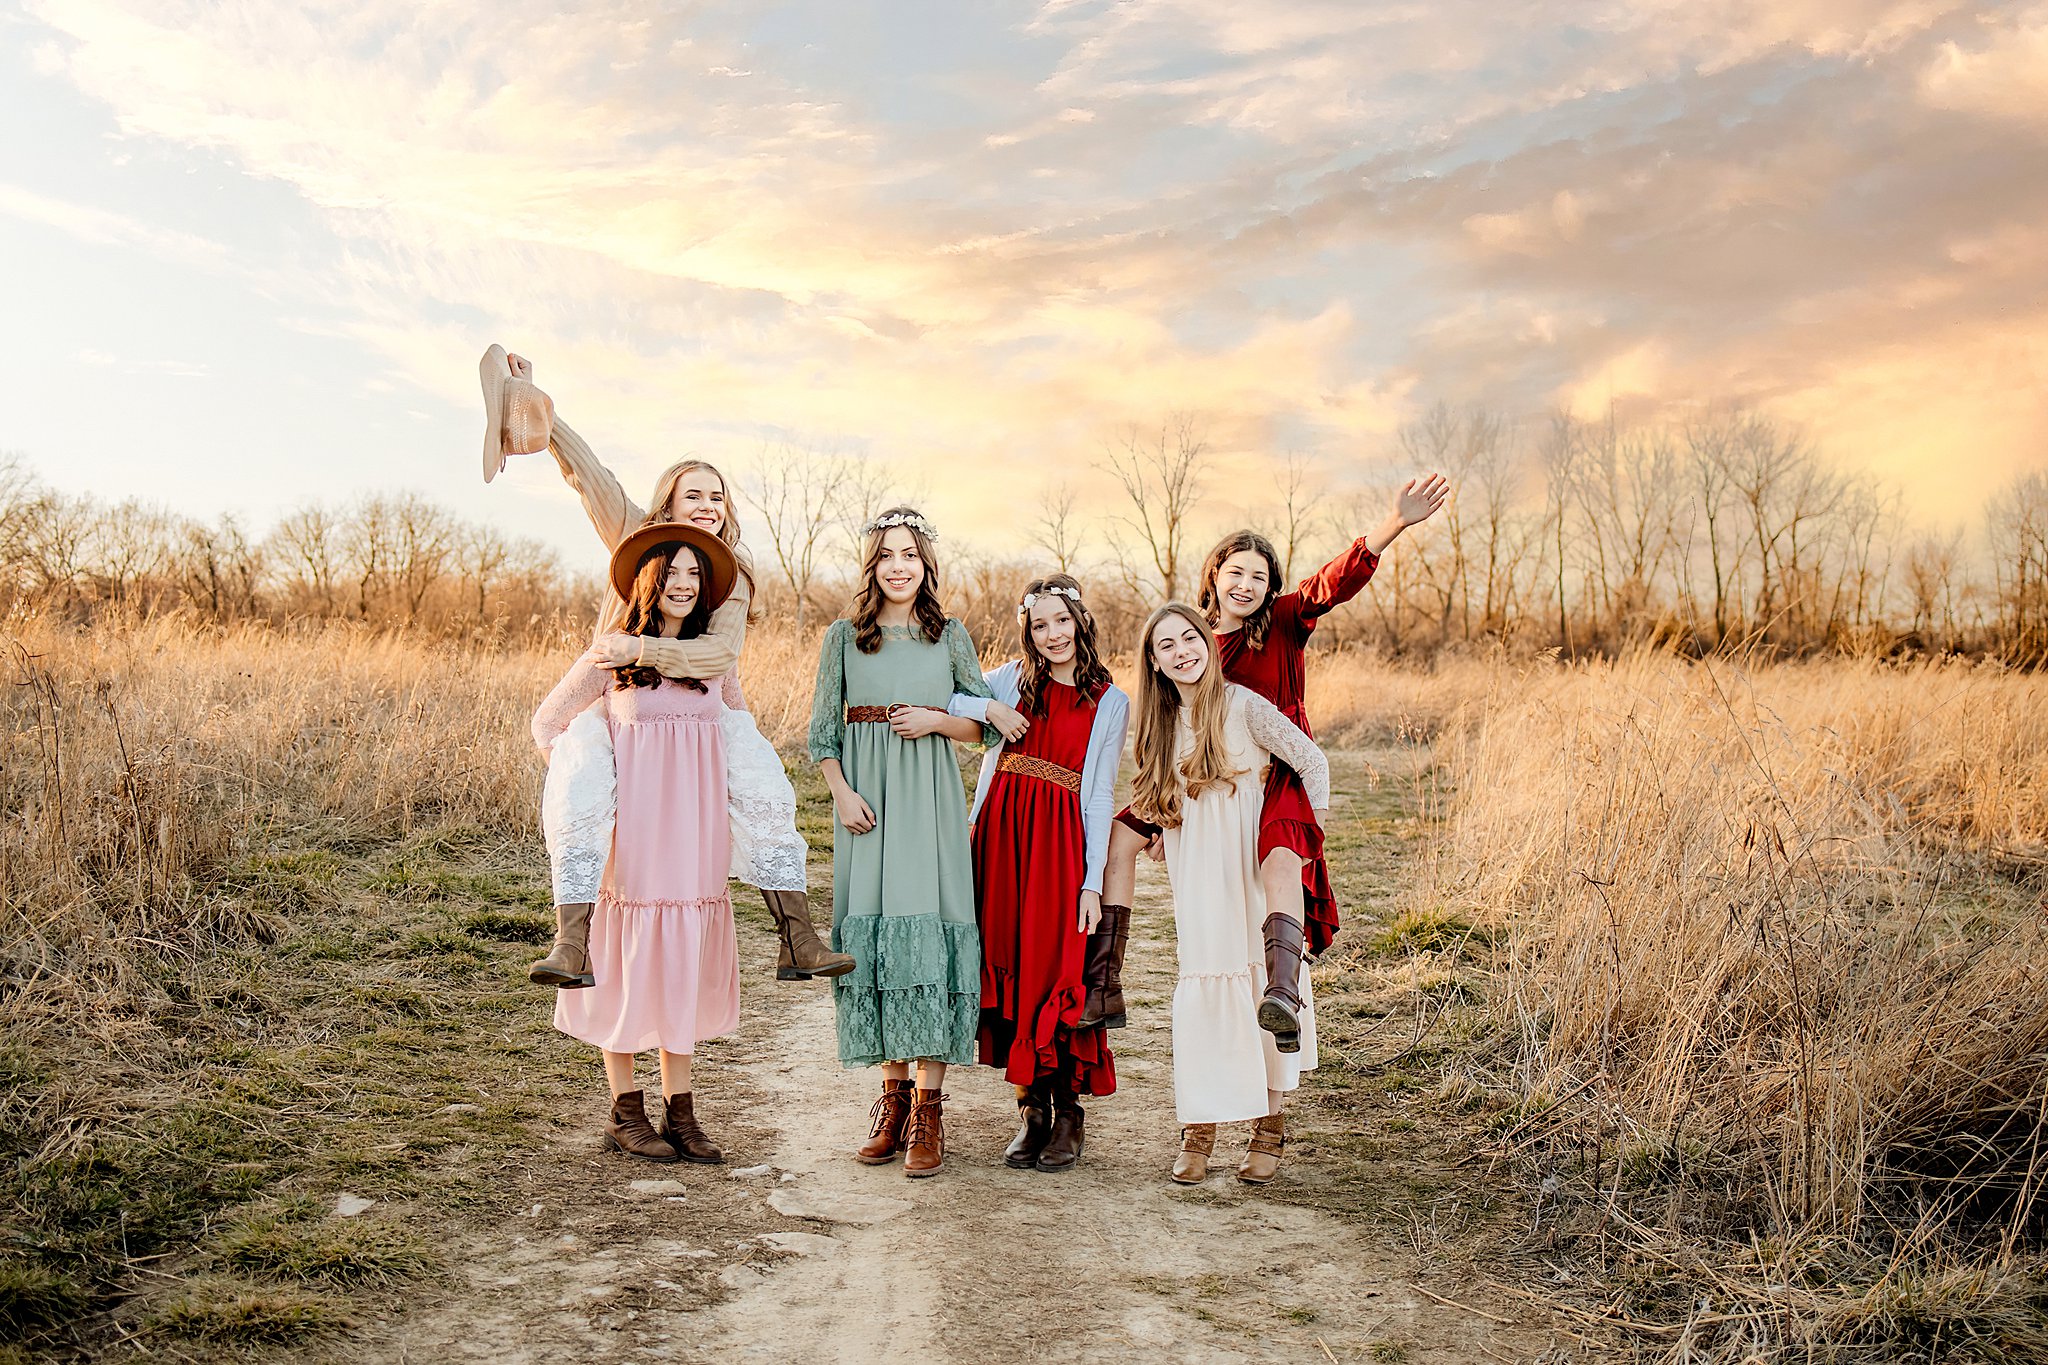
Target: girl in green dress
column 902, row 873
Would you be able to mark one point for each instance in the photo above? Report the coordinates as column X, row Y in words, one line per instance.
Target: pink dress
column 662, row 945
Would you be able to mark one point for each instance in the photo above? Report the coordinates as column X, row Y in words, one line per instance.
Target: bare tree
column 1298, row 515
column 1161, row 477
column 308, row 545
column 219, row 569
column 800, row 493
column 481, row 555
column 1058, row 531
column 2018, row 518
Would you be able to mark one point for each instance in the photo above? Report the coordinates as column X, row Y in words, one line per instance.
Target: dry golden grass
column 1769, row 980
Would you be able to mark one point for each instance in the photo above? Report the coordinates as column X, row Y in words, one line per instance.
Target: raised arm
column 1344, row 577
column 1283, row 739
column 611, row 512
column 583, row 684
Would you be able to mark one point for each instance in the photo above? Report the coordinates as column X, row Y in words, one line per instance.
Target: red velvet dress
column 1279, row 673
column 1029, row 858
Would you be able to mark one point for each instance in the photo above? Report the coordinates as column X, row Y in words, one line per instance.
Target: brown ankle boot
column 890, row 1113
column 1262, row 1159
column 567, row 966
column 684, row 1134
column 1063, row 1145
column 1103, row 969
column 1034, row 1112
column 1191, row 1163
column 924, row 1137
column 1280, row 1009
column 632, row 1134
column 803, row 956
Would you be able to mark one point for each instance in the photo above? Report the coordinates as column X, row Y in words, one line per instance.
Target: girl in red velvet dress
column 1042, row 812
column 1264, row 642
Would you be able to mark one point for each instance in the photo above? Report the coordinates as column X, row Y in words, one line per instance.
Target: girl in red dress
column 1263, row 638
column 1041, row 820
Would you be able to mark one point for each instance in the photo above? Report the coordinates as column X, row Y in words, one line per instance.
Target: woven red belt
column 1040, row 769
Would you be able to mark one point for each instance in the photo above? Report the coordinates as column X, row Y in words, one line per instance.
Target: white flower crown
column 913, row 520
column 1030, row 598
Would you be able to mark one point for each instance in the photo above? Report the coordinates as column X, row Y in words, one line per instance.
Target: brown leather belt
column 870, row 715
column 1040, row 769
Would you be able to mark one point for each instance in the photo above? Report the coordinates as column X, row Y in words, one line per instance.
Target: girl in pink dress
column 662, row 947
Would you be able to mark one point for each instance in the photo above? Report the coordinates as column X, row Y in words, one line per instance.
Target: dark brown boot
column 890, row 1113
column 1280, row 1009
column 1063, row 1146
column 632, row 1134
column 684, row 1134
column 924, row 1136
column 1034, row 1112
column 567, row 966
column 803, row 956
column 1102, row 969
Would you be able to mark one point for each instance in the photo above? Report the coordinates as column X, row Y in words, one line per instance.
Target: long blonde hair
column 658, row 509
column 1161, row 784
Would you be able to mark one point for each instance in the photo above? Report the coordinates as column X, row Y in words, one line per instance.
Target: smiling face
column 699, row 499
column 1052, row 629
column 1178, row 650
column 899, row 568
column 681, row 587
column 1243, row 582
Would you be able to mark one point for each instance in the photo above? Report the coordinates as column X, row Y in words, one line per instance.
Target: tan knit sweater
column 714, row 653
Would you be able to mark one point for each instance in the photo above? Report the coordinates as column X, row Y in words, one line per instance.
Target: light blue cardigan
column 1098, row 772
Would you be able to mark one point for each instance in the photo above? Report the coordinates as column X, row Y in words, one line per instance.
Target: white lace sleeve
column 1283, row 739
column 729, row 692
column 583, row 684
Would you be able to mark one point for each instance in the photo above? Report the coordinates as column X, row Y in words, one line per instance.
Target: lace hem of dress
column 579, row 874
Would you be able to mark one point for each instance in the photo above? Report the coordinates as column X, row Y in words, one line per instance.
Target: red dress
column 1279, row 673
column 1029, row 858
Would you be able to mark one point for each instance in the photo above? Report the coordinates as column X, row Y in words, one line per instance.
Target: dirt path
column 794, row 1251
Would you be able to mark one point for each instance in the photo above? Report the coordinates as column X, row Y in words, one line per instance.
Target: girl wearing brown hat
column 662, row 954
column 768, row 852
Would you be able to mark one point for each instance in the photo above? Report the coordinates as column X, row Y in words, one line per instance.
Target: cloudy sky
column 251, row 251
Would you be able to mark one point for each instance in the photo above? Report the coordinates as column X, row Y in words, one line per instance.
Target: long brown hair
column 1091, row 675
column 1237, row 542
column 1157, row 790
column 925, row 608
column 660, row 508
column 643, row 609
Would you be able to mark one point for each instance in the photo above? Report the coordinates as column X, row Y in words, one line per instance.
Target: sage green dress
column 903, row 893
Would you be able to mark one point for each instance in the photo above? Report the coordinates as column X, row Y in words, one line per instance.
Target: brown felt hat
column 724, row 567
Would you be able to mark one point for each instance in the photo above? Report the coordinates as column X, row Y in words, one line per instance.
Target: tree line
column 1728, row 532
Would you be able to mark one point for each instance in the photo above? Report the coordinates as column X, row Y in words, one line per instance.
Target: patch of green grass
column 287, row 881
column 1388, row 1352
column 510, row 926
column 1426, row 931
column 1301, row 1313
column 34, row 1295
column 344, row 1253
column 226, row 1311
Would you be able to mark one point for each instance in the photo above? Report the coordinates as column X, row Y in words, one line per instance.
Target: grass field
column 1704, row 1005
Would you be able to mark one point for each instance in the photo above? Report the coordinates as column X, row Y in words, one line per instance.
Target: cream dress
column 1223, row 1062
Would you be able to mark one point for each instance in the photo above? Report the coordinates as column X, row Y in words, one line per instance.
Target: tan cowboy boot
column 890, row 1113
column 924, row 1137
column 1102, row 969
column 684, row 1134
column 802, row 956
column 567, row 966
column 1191, row 1164
column 1262, row 1159
column 1280, row 1008
column 632, row 1134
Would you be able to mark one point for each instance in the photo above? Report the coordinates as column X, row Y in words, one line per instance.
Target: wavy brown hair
column 1091, row 675
column 1161, row 783
column 925, row 608
column 1237, row 542
column 662, row 509
column 644, row 615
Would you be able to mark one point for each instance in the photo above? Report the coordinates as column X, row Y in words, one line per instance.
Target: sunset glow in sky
column 253, row 250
